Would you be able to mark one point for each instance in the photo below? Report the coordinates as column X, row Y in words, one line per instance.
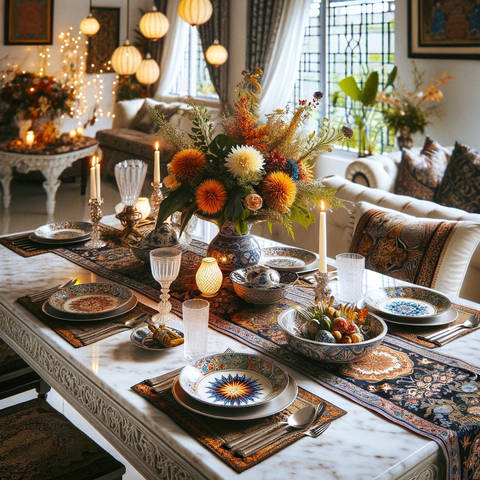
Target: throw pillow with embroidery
column 420, row 175
column 460, row 187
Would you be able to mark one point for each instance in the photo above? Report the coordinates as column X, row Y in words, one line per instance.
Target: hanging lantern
column 89, row 26
column 154, row 24
column 216, row 54
column 195, row 12
column 148, row 71
column 126, row 59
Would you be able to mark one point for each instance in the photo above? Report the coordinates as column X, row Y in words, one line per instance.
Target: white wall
column 69, row 13
column 461, row 104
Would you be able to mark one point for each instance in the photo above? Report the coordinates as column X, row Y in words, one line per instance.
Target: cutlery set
column 25, row 244
column 445, row 336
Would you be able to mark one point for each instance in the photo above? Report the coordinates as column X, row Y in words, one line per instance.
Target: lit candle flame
column 322, row 205
column 157, row 144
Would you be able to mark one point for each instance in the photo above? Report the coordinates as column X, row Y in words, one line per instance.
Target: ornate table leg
column 51, row 185
column 6, row 175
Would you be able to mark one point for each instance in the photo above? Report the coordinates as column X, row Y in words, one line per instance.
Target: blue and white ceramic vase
column 232, row 250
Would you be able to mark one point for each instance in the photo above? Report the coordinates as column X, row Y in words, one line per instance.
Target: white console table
column 50, row 165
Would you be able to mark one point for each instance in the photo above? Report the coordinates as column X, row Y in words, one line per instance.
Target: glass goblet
column 165, row 264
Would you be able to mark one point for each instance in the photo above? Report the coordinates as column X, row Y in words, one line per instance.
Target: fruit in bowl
column 337, row 334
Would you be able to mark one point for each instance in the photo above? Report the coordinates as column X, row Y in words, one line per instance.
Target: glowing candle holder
column 30, row 138
column 209, row 277
column 143, row 206
column 95, row 217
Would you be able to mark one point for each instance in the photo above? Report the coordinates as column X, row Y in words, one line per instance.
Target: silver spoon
column 436, row 338
column 130, row 323
column 300, row 419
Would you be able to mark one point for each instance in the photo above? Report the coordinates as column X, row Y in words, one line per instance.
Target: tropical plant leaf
column 350, row 88
column 177, row 200
column 221, row 146
column 370, row 89
column 391, row 77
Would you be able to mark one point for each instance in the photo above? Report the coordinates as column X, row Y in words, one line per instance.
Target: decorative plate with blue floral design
column 411, row 302
column 287, row 258
column 234, row 380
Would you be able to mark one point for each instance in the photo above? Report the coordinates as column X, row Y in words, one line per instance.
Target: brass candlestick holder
column 157, row 199
column 129, row 217
column 95, row 217
column 322, row 290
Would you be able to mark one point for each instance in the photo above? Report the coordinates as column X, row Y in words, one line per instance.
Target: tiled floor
column 27, row 211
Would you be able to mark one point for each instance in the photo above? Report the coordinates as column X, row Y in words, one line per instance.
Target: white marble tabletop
column 359, row 445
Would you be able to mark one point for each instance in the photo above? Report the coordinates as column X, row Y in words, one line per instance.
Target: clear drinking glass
column 350, row 268
column 195, row 326
column 130, row 176
column 165, row 264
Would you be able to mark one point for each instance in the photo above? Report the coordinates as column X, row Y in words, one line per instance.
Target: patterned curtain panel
column 157, row 47
column 217, row 29
column 263, row 22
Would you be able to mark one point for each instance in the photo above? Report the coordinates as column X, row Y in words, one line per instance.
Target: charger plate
column 51, row 312
column 142, row 337
column 62, row 232
column 407, row 302
column 288, row 258
column 241, row 414
column 233, row 380
column 90, row 298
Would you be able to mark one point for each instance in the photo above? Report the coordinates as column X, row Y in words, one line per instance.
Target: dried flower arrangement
column 252, row 172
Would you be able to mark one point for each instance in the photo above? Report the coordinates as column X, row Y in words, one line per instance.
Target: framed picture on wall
column 102, row 45
column 444, row 29
column 28, row 22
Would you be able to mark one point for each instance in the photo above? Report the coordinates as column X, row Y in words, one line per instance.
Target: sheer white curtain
column 174, row 46
column 281, row 71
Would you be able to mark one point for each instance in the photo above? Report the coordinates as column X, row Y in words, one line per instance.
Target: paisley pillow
column 430, row 253
column 419, row 176
column 460, row 186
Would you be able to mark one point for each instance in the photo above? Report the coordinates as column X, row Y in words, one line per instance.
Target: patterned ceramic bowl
column 290, row 322
column 261, row 295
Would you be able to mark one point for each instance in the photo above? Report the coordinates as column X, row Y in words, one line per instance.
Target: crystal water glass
column 130, row 176
column 165, row 264
column 195, row 328
column 350, row 268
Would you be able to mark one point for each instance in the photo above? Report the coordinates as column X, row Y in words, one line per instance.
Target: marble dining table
column 95, row 380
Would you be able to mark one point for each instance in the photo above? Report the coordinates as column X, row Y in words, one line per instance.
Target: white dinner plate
column 251, row 413
column 51, row 312
column 63, row 232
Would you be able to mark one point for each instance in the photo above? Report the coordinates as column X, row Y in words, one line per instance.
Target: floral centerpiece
column 30, row 97
column 252, row 172
column 409, row 112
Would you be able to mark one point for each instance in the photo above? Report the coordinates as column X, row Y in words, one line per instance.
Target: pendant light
column 89, row 26
column 154, row 24
column 195, row 12
column 216, row 54
column 126, row 59
column 149, row 71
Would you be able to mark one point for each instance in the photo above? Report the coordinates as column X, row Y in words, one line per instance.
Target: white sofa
column 340, row 224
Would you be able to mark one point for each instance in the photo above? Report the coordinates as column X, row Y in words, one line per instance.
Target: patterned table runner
column 70, row 330
column 214, row 433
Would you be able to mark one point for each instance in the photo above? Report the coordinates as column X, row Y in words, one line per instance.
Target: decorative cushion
column 430, row 253
column 419, row 176
column 38, row 442
column 460, row 187
column 144, row 123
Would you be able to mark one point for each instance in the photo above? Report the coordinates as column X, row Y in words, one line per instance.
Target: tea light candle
column 30, row 138
column 72, row 134
column 322, row 243
column 143, row 206
column 93, row 183
column 209, row 277
column 156, row 165
column 80, row 131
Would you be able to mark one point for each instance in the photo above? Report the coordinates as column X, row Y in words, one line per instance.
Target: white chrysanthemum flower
column 243, row 160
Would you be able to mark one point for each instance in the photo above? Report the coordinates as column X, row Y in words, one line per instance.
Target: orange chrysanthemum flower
column 279, row 191
column 187, row 164
column 305, row 172
column 211, row 196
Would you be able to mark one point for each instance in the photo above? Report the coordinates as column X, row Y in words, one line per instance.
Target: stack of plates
column 413, row 306
column 90, row 301
column 234, row 386
column 289, row 259
column 60, row 233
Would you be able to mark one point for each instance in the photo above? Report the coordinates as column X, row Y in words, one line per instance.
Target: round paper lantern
column 154, row 24
column 89, row 26
column 148, row 71
column 216, row 54
column 126, row 59
column 195, row 12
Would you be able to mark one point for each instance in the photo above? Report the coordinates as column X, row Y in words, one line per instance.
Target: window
column 193, row 78
column 359, row 38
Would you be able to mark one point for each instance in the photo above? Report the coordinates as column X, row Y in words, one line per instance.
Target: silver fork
column 439, row 337
column 43, row 295
column 161, row 380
